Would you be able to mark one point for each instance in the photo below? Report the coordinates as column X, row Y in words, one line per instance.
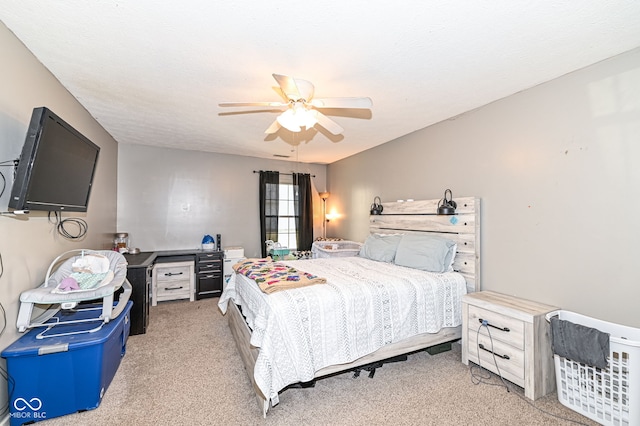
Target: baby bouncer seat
column 85, row 275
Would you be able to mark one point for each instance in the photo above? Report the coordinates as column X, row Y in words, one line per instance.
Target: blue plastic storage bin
column 54, row 376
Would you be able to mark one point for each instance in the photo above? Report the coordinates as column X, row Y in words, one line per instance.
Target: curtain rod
column 288, row 174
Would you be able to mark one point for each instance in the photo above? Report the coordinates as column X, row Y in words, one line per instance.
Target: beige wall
column 169, row 199
column 556, row 167
column 558, row 170
column 29, row 244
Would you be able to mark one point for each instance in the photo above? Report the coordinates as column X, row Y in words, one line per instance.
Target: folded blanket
column 274, row 276
column 580, row 343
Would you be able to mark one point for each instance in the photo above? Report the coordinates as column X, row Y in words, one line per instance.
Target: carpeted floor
column 186, row 371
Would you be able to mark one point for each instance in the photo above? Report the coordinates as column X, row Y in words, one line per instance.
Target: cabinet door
column 209, row 284
column 139, row 280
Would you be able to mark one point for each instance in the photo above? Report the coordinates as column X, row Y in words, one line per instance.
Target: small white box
column 233, row 252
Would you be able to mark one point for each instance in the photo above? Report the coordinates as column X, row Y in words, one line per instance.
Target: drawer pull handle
column 481, row 346
column 170, row 274
column 488, row 324
column 173, row 288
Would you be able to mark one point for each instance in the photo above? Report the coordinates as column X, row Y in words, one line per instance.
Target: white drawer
column 173, row 289
column 502, row 328
column 172, row 273
column 509, row 360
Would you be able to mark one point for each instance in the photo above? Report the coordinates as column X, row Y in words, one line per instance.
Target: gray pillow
column 426, row 252
column 380, row 247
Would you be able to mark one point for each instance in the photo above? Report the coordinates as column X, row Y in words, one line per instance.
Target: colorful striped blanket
column 274, row 276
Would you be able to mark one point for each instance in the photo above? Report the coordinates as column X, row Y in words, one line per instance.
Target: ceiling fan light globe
column 288, row 120
column 307, row 118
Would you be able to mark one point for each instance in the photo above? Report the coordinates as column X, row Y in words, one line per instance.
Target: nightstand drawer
column 510, row 361
column 173, row 289
column 502, row 328
column 209, row 257
column 215, row 265
column 173, row 273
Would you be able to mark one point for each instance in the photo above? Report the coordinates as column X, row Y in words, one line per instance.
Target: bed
column 367, row 311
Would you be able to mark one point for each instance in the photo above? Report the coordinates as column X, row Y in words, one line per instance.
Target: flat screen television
column 56, row 168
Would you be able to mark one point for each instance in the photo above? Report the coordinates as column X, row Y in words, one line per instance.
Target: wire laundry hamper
column 340, row 248
column 611, row 396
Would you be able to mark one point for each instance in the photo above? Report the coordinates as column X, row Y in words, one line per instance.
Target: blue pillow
column 426, row 252
column 380, row 247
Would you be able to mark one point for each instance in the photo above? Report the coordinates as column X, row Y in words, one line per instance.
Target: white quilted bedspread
column 363, row 306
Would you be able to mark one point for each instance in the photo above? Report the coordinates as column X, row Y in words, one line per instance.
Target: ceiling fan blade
column 252, row 104
column 305, row 89
column 275, row 126
column 288, row 86
column 342, row 103
column 328, row 123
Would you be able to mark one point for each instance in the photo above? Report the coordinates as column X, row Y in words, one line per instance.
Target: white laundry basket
column 611, row 396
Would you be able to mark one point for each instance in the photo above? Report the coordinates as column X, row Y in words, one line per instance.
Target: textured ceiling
column 153, row 71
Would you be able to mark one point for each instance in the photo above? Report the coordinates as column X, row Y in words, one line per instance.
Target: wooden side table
column 171, row 281
column 511, row 337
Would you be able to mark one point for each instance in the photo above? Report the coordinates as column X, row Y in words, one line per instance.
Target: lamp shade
column 296, row 117
column 288, row 120
column 376, row 207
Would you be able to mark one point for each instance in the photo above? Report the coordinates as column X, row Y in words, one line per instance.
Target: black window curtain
column 269, row 194
column 303, row 206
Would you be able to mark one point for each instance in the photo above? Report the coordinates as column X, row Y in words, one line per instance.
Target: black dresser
column 209, row 274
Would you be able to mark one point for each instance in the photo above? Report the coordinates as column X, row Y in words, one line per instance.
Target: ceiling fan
column 301, row 107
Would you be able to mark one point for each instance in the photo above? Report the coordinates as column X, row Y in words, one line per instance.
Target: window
column 286, row 214
column 287, row 217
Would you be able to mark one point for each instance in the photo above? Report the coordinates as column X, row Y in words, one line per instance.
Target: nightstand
column 516, row 332
column 171, row 281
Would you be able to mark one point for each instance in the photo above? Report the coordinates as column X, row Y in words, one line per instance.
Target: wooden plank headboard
column 421, row 216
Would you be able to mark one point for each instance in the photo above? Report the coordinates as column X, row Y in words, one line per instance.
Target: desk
column 139, row 276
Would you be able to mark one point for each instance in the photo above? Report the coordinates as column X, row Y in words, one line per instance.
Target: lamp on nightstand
column 324, row 196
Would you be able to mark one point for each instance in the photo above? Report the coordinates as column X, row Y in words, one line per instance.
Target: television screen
column 56, row 167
